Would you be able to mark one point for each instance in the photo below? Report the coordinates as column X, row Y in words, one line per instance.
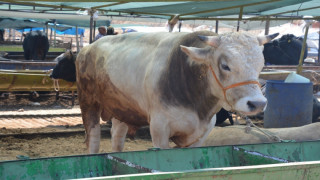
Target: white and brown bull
column 174, row 82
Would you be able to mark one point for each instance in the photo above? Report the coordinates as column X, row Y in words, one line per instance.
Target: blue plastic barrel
column 289, row 104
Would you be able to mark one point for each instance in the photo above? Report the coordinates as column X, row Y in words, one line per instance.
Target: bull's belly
column 127, row 113
column 114, row 102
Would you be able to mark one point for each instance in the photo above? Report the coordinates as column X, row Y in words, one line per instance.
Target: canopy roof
column 77, row 12
column 166, row 9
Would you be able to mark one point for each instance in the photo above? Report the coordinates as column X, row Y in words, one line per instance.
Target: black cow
column 2, row 35
column 284, row 51
column 65, row 69
column 223, row 115
column 35, row 45
column 316, row 110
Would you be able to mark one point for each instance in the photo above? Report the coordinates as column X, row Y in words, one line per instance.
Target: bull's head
column 234, row 62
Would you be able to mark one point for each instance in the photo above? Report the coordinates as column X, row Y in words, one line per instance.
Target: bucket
column 289, row 104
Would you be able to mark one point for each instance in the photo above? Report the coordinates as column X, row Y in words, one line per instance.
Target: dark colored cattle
column 2, row 35
column 65, row 69
column 223, row 115
column 316, row 110
column 35, row 45
column 284, row 51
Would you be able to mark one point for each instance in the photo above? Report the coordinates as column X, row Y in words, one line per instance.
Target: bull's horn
column 213, row 41
column 265, row 39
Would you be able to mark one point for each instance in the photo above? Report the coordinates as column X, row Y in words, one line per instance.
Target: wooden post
column 299, row 69
column 77, row 40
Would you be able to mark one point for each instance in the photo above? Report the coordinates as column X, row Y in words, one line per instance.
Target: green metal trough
column 287, row 160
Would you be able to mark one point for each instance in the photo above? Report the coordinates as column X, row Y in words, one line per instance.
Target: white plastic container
column 296, row 78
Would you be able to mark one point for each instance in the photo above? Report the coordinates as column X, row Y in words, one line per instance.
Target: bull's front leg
column 118, row 134
column 206, row 132
column 160, row 131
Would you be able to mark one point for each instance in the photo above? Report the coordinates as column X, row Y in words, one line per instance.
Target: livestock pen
column 285, row 160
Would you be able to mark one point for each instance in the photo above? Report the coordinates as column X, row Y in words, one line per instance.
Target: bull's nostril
column 256, row 105
column 251, row 105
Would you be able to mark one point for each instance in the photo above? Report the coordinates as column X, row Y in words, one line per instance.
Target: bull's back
column 125, row 60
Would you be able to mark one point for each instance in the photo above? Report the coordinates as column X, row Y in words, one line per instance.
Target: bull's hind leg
column 118, row 131
column 91, row 121
column 118, row 134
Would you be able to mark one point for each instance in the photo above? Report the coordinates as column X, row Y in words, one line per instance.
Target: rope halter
column 224, row 89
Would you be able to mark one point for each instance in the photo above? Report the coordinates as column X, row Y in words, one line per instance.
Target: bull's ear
column 213, row 41
column 199, row 55
column 265, row 39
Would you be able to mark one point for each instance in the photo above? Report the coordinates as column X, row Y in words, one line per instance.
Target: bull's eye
column 225, row 67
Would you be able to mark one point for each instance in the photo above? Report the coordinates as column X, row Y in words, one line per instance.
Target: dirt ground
column 54, row 141
column 36, row 146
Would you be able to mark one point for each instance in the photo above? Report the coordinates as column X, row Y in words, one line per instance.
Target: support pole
column 217, row 26
column 55, row 33
column 77, row 40
column 21, row 36
column 94, row 29
column 299, row 69
column 13, row 35
column 266, row 31
column 47, row 29
column 91, row 25
column 319, row 45
column 10, row 34
column 240, row 18
column 238, row 26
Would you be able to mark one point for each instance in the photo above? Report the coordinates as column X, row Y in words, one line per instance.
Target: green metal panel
column 292, row 171
column 65, row 168
column 182, row 159
column 259, row 161
column 292, row 151
column 55, row 168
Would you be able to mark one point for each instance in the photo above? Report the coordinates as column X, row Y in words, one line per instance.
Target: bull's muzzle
column 257, row 106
